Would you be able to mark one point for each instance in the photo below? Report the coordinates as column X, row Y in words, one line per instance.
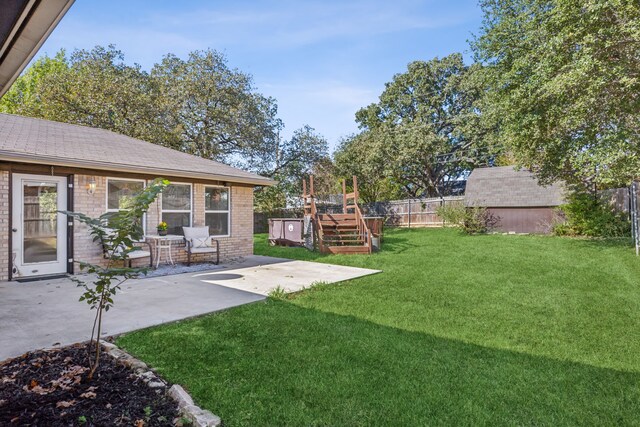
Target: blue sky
column 321, row 60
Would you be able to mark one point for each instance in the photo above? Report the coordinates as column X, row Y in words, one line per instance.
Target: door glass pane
column 40, row 222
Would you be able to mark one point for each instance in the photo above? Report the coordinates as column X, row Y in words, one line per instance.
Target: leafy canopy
column 427, row 126
column 564, row 80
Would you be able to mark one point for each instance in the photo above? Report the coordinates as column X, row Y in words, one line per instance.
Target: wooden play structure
column 345, row 233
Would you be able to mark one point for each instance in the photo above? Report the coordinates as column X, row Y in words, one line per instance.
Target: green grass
column 500, row 330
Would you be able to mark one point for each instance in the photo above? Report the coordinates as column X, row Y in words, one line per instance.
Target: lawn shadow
column 396, row 242
column 281, row 364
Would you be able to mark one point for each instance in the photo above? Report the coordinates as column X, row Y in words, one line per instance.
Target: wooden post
column 355, row 189
column 409, row 209
column 312, row 192
column 344, row 196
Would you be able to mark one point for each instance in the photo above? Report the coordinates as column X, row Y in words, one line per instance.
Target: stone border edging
column 198, row 416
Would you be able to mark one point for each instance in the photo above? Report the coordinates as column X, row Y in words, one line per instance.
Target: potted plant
column 162, row 228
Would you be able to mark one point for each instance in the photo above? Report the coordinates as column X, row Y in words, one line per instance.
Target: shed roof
column 30, row 140
column 507, row 187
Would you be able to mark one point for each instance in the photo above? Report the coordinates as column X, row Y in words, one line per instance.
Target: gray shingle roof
column 29, row 140
column 506, row 187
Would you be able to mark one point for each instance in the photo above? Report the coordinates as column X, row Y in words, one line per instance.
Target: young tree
column 427, row 125
column 564, row 83
column 117, row 232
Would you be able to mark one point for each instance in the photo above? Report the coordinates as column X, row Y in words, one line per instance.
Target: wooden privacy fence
column 396, row 213
column 411, row 212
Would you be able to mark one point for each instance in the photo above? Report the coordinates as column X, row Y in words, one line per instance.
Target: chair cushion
column 133, row 254
column 201, row 242
column 191, row 232
column 206, row 250
column 138, row 254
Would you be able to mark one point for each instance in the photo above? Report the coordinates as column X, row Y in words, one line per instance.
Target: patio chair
column 137, row 253
column 198, row 241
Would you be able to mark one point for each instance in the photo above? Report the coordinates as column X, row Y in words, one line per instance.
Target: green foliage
column 214, row 110
column 289, row 163
column 563, row 78
column 24, row 96
column 117, row 233
column 426, row 128
column 471, row 220
column 586, row 215
column 363, row 155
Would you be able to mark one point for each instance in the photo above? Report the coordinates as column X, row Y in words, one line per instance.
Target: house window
column 216, row 210
column 176, row 207
column 120, row 194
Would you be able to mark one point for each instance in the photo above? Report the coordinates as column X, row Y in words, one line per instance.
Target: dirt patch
column 49, row 388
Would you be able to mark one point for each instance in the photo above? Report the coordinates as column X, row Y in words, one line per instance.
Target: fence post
column 409, row 211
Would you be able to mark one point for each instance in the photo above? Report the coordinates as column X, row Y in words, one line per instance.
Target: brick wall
column 238, row 244
column 4, row 225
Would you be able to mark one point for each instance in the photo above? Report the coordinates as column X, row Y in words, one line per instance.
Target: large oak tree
column 426, row 126
column 565, row 84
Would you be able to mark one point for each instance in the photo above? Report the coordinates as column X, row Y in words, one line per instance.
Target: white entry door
column 39, row 232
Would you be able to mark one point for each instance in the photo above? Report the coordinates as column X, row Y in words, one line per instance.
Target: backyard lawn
column 495, row 329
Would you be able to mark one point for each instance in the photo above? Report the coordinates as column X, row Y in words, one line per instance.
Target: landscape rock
column 197, row 416
column 156, row 384
column 180, row 395
column 200, row 417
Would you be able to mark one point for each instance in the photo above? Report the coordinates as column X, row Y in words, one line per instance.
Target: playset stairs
column 345, row 233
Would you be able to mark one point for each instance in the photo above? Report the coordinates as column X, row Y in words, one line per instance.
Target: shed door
column 39, row 231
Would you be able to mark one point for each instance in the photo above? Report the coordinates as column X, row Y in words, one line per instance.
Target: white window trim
column 106, row 197
column 228, row 211
column 162, row 210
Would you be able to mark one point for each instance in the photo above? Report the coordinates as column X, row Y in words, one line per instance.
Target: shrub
column 470, row 220
column 586, row 215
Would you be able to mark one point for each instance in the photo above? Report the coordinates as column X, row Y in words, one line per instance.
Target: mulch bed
column 49, row 388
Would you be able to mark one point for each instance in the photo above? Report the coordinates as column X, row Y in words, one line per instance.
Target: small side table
column 163, row 245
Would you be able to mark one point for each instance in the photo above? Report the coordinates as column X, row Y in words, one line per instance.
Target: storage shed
column 515, row 197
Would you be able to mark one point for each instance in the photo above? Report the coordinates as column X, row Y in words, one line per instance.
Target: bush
column 470, row 220
column 585, row 215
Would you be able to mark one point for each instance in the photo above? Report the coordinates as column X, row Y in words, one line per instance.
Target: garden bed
column 49, row 387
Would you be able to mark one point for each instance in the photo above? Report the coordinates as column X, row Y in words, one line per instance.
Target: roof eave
column 155, row 171
column 37, row 25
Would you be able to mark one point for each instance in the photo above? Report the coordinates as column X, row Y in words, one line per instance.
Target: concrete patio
column 47, row 313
